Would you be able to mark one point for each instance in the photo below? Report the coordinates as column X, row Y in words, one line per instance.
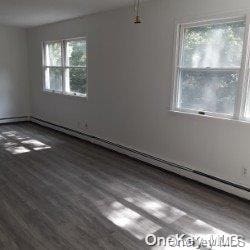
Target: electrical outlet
column 82, row 125
column 244, row 171
column 79, row 125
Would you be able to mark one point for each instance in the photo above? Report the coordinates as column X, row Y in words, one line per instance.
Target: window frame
column 242, row 88
column 63, row 66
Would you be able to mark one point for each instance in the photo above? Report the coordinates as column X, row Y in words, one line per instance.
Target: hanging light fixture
column 138, row 18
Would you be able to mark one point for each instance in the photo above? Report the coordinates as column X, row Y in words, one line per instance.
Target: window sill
column 69, row 95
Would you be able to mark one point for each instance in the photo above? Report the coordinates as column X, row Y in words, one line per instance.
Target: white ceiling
column 27, row 13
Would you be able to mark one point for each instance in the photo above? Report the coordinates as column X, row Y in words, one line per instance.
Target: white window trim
column 63, row 67
column 243, row 85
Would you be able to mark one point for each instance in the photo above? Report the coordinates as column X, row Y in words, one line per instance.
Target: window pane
column 76, row 80
column 53, row 54
column 76, row 53
column 208, row 91
column 53, row 79
column 213, row 46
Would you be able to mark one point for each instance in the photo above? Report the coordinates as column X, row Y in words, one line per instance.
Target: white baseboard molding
column 215, row 182
column 14, row 119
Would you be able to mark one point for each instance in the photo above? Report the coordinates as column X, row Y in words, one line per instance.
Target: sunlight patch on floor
column 157, row 208
column 202, row 231
column 17, row 143
column 128, row 219
column 36, row 145
column 179, row 220
column 17, row 150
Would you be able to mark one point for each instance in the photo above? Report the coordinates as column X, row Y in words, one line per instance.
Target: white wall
column 14, row 83
column 130, row 69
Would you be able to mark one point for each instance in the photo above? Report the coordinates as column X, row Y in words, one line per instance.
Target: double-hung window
column 208, row 75
column 65, row 67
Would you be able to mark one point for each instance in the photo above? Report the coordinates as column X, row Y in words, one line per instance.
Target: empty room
column 124, row 124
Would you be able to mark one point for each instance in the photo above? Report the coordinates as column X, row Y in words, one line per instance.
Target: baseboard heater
column 14, row 119
column 95, row 139
column 146, row 157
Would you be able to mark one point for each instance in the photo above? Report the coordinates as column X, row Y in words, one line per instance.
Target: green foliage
column 215, row 46
column 209, row 91
column 78, row 75
column 78, row 80
column 56, row 79
column 226, row 38
column 54, row 54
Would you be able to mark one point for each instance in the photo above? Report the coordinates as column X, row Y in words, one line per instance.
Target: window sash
column 64, row 67
column 45, row 68
column 206, row 70
column 206, row 113
column 45, row 59
column 65, row 70
column 243, row 88
column 66, row 64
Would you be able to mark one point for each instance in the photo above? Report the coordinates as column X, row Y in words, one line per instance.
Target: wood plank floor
column 58, row 192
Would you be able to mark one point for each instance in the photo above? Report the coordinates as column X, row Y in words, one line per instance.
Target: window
column 65, row 67
column 208, row 70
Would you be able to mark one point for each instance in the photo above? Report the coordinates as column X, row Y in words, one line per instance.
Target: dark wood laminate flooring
column 58, row 192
